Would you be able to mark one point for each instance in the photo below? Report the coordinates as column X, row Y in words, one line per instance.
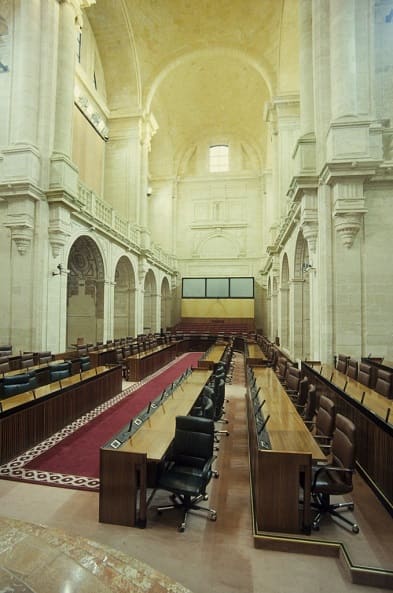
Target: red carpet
column 74, row 461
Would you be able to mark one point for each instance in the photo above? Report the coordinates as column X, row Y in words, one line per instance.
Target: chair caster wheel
column 205, row 497
column 216, row 475
column 315, row 526
column 213, row 516
column 355, row 528
column 181, row 528
column 351, row 507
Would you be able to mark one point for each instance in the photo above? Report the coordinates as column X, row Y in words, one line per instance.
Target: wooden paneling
column 26, row 423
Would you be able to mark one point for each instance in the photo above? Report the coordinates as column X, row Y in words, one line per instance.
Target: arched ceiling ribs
column 260, row 68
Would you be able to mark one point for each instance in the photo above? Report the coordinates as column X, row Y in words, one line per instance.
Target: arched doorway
column 150, row 304
column 124, row 299
column 85, row 292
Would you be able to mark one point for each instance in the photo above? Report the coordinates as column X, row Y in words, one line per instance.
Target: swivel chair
column 18, row 384
column 188, row 469
column 325, row 423
column 299, row 399
column 59, row 371
column 335, row 478
column 310, row 407
column 85, row 363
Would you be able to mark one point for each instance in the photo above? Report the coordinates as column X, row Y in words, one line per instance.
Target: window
column 219, row 158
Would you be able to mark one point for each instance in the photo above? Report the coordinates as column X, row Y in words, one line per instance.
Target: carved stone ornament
column 347, row 225
column 22, row 235
column 57, row 239
column 310, row 233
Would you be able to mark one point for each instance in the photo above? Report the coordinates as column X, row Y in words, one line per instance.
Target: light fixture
column 307, row 266
column 60, row 269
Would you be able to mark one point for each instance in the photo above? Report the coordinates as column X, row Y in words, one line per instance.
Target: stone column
column 68, row 18
column 343, row 58
column 63, row 174
column 306, row 70
column 325, row 276
column 149, row 127
column 26, row 73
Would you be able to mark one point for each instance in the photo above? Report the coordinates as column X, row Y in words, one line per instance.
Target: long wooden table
column 255, row 355
column 145, row 363
column 372, row 414
column 128, row 469
column 28, row 418
column 212, row 357
column 276, row 472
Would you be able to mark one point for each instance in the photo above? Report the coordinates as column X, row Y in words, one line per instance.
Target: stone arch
column 218, row 244
column 124, row 299
column 85, row 291
column 233, row 54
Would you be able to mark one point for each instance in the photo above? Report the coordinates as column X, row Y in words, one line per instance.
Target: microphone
column 260, row 407
column 262, row 427
column 256, row 393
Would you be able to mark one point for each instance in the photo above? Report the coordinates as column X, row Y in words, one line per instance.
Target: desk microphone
column 130, row 425
column 260, row 407
column 148, row 408
column 256, row 393
column 262, row 427
column 363, row 396
column 387, row 415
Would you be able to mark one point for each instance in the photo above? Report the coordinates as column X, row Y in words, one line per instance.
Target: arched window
column 218, row 158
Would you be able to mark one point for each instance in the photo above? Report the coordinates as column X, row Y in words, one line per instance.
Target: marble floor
column 51, row 541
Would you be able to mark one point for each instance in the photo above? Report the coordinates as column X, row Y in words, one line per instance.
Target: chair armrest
column 331, row 468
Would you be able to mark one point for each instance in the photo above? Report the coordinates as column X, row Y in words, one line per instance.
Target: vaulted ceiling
column 198, row 65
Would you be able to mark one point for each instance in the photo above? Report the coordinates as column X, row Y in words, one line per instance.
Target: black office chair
column 188, row 469
column 59, row 371
column 17, row 384
column 85, row 363
column 335, row 478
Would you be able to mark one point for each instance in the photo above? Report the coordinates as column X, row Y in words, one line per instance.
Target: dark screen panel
column 241, row 288
column 217, row 288
column 194, row 288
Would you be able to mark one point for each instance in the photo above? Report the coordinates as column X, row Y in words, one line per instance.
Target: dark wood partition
column 54, row 406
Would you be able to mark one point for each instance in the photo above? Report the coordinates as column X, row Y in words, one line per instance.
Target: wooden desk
column 145, row 363
column 127, row 471
column 374, row 442
column 255, row 356
column 276, row 472
column 30, row 417
column 212, row 357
